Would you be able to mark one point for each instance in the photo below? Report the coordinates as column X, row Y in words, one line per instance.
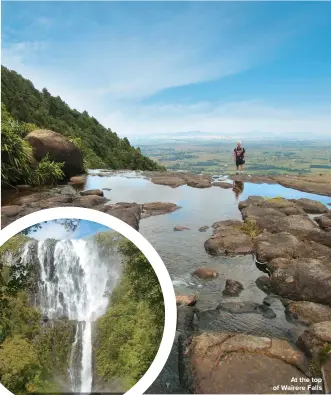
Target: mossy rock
column 12, row 247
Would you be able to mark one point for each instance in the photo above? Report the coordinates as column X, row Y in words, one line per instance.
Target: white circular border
column 146, row 248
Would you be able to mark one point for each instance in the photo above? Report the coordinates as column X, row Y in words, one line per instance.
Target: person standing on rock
column 239, row 155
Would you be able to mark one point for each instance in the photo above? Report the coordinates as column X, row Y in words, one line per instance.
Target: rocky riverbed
column 278, row 320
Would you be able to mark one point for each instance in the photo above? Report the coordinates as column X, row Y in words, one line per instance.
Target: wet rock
column 197, row 181
column 255, row 179
column 131, row 214
column 226, row 223
column 11, row 211
column 255, row 212
column 232, row 288
column 171, row 180
column 186, row 300
column 223, row 362
column 269, row 300
column 315, row 338
column 97, row 192
column 68, row 190
column 285, row 245
column 78, row 180
column 256, row 208
column 203, row 272
column 55, row 201
column 89, row 201
column 246, row 308
column 302, row 279
column 158, row 208
column 314, row 183
column 203, row 228
column 180, row 228
column 224, row 185
column 287, row 207
column 308, row 312
column 298, row 225
column 311, row 206
column 59, row 148
column 326, row 375
column 228, row 238
column 320, row 237
column 168, row 381
column 264, row 284
column 249, row 201
column 324, row 221
column 32, row 198
column 266, row 311
column 185, row 318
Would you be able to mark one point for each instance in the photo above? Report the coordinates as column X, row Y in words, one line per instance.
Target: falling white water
column 74, row 279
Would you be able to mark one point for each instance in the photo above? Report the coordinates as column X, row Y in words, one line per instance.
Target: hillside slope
column 101, row 147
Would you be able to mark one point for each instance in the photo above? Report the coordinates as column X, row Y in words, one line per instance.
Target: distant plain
column 262, row 157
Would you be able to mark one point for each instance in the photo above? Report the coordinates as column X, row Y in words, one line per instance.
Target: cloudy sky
column 233, row 68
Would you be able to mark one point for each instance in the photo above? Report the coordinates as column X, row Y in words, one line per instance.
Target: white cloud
column 111, row 71
column 230, row 119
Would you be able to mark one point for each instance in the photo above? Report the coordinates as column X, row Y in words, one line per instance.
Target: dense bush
column 17, row 163
column 28, row 351
column 101, row 147
column 129, row 334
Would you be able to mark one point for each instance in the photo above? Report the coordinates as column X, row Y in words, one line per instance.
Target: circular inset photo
column 86, row 305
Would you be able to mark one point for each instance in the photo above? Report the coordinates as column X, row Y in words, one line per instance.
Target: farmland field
column 273, row 157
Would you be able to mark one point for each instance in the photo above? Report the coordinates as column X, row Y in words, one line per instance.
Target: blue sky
column 55, row 230
column 150, row 67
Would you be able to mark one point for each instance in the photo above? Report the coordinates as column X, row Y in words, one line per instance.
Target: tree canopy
column 102, row 148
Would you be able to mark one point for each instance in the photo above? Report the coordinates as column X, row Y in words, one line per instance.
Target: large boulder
column 91, row 192
column 158, row 208
column 311, row 206
column 250, row 200
column 229, row 238
column 204, row 272
column 89, row 201
column 324, row 221
column 314, row 340
column 197, row 181
column 298, row 225
column 255, row 212
column 308, row 312
column 302, row 279
column 232, row 288
column 284, row 245
column 230, row 363
column 59, row 148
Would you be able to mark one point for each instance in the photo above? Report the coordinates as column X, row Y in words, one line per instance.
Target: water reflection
column 238, row 188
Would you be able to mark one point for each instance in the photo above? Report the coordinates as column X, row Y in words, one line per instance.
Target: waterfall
column 74, row 277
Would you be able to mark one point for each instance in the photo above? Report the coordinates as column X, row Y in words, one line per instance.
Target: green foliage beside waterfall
column 129, row 334
column 28, row 109
column 30, row 350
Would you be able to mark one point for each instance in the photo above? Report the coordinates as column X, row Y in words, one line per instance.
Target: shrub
column 16, row 155
column 46, row 173
column 250, row 228
column 18, row 365
column 129, row 334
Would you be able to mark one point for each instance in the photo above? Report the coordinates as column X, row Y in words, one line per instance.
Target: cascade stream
column 74, row 278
